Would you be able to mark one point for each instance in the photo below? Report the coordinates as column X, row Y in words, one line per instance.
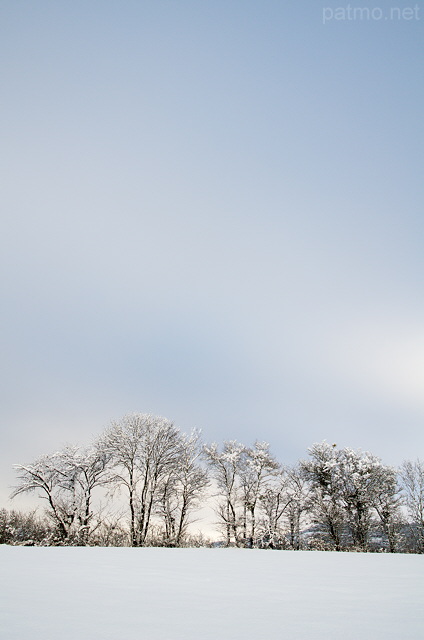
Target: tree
column 85, row 470
column 66, row 479
column 357, row 481
column 412, row 487
column 225, row 466
column 283, row 503
column 144, row 450
column 275, row 500
column 257, row 467
column 386, row 502
column 46, row 476
column 241, row 474
column 349, row 487
column 122, row 442
column 182, row 489
column 297, row 501
column 321, row 471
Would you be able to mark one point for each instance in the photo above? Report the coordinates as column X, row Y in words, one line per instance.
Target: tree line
column 143, row 481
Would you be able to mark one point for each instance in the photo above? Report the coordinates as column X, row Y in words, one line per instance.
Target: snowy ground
column 219, row 594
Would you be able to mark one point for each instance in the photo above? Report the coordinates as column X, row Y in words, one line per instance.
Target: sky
column 212, row 211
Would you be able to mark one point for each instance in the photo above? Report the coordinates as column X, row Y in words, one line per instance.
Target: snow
column 229, row 594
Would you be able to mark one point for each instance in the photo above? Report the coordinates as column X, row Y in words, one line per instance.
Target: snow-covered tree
column 241, row 474
column 257, row 468
column 298, row 503
column 66, row 479
column 122, row 441
column 387, row 504
column 284, row 502
column 182, row 488
column 412, row 486
column 357, row 480
column 224, row 466
column 349, row 488
column 144, row 450
column 321, row 471
column 274, row 501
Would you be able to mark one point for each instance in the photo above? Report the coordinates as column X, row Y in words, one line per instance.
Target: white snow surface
column 221, row 594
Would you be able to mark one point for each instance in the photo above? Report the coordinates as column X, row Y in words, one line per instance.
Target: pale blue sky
column 212, row 211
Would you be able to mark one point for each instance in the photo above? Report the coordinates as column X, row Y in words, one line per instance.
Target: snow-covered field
column 219, row 594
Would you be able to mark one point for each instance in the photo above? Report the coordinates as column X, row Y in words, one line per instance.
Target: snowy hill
column 208, row 594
